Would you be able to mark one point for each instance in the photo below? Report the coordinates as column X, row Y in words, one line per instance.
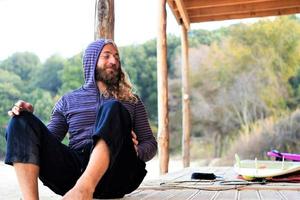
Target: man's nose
column 113, row 60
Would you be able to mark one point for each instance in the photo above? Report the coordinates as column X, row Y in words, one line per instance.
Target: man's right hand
column 19, row 107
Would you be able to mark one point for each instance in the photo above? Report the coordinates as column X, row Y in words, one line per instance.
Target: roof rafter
column 241, row 15
column 194, row 4
column 183, row 13
column 193, row 11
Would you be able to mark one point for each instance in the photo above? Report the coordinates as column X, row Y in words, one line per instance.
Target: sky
column 66, row 27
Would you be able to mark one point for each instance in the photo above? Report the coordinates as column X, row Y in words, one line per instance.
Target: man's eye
column 105, row 56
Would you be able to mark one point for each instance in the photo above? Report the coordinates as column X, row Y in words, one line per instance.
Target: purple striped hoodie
column 75, row 112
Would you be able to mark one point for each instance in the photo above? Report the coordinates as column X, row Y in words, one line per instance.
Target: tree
column 21, row 64
column 140, row 63
column 10, row 92
column 43, row 103
column 72, row 74
column 244, row 78
column 48, row 77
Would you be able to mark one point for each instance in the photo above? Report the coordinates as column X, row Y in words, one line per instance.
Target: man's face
column 108, row 66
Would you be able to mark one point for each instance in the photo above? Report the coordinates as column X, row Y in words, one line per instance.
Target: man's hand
column 135, row 141
column 19, row 107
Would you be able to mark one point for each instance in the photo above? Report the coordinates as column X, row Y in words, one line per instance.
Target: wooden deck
column 179, row 186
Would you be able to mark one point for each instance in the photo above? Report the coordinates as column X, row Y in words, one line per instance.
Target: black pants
column 29, row 141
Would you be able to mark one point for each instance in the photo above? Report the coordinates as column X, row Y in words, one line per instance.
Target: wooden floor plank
column 180, row 186
column 226, row 195
column 290, row 195
column 207, row 195
column 159, row 195
column 270, row 195
column 141, row 195
column 183, row 194
column 248, row 195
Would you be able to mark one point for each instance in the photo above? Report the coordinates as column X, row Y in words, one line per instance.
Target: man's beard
column 111, row 78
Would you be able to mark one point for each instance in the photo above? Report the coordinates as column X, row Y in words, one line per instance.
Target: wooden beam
column 183, row 13
column 105, row 19
column 162, row 89
column 247, row 7
column 186, row 127
column 174, row 10
column 208, row 10
column 195, row 4
column 241, row 15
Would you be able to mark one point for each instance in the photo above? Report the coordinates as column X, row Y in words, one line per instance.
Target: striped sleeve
column 58, row 125
column 147, row 146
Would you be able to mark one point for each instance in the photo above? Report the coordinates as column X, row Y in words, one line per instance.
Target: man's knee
column 19, row 124
column 113, row 109
column 113, row 105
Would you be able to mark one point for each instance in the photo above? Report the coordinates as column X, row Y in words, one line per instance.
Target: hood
column 90, row 59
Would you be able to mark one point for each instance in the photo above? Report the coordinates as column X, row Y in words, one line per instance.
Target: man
column 110, row 136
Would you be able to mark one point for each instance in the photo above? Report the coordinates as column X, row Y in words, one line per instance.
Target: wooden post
column 104, row 19
column 162, row 89
column 185, row 98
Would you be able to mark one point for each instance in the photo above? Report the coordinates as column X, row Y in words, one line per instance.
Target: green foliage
column 278, row 39
column 43, row 103
column 2, row 141
column 48, row 77
column 281, row 134
column 72, row 74
column 10, row 85
column 23, row 64
column 205, row 37
column 173, row 44
column 245, row 77
column 140, row 64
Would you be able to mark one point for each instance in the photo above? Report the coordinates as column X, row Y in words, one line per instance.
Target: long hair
column 124, row 90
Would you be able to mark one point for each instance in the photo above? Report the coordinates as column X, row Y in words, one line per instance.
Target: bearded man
column 110, row 138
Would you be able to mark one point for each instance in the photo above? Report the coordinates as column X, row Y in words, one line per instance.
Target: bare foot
column 77, row 193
